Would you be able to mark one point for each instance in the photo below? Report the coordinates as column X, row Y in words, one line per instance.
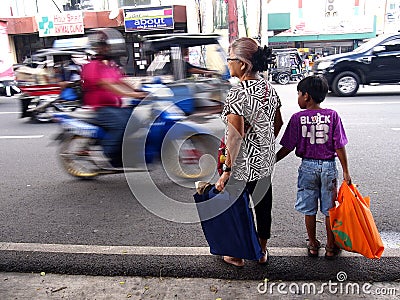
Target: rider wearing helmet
column 103, row 89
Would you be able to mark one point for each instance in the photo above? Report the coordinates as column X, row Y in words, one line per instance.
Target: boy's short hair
column 315, row 85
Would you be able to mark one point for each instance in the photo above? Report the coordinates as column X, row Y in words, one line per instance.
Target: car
column 374, row 62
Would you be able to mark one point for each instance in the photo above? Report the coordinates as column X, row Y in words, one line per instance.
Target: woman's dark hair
column 255, row 57
column 315, row 85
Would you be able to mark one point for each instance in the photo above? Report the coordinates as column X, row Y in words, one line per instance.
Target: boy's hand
column 341, row 153
column 346, row 177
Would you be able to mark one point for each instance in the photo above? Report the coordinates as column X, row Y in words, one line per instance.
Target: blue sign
column 149, row 18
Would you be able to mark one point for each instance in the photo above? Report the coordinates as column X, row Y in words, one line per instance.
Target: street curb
column 192, row 262
column 149, row 250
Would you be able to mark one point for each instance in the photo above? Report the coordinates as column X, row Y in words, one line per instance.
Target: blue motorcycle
column 159, row 132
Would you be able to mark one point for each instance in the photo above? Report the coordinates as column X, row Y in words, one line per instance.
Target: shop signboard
column 149, row 18
column 68, row 23
column 331, row 25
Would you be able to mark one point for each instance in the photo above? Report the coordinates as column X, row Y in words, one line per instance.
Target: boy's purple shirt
column 315, row 134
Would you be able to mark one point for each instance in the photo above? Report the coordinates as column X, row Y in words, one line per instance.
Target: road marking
column 146, row 250
column 21, row 136
column 395, row 129
column 361, row 103
column 8, row 112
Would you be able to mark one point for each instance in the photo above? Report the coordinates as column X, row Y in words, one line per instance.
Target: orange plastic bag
column 353, row 225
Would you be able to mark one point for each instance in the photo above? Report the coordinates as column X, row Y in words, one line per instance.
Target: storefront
column 139, row 22
column 329, row 47
column 30, row 34
column 333, row 35
column 321, row 45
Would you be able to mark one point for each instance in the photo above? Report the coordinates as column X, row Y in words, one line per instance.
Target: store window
column 78, row 5
column 221, row 13
column 134, row 2
column 27, row 44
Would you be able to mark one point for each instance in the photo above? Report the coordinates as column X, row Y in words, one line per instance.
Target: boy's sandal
column 334, row 252
column 312, row 250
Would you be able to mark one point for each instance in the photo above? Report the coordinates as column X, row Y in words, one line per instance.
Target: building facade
column 324, row 26
column 330, row 26
column 35, row 25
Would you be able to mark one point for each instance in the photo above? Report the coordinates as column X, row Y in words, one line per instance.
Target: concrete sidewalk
column 33, row 271
column 34, row 286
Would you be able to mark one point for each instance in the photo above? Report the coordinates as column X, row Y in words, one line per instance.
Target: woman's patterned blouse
column 257, row 101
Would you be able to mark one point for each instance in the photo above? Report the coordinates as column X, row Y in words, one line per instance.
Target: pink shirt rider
column 95, row 95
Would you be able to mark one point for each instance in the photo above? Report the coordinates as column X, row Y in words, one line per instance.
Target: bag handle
column 353, row 189
column 339, row 197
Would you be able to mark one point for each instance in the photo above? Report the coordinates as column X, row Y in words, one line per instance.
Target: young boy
column 318, row 136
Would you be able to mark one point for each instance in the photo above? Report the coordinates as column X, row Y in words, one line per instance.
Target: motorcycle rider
column 103, row 89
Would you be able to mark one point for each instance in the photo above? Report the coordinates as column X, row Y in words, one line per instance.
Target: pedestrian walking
column 306, row 64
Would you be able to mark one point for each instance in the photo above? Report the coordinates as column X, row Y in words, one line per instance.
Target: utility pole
column 233, row 20
column 199, row 15
column 260, row 22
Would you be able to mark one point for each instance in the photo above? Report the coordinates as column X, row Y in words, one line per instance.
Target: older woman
column 253, row 120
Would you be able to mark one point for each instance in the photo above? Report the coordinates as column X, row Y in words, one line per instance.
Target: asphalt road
column 44, row 212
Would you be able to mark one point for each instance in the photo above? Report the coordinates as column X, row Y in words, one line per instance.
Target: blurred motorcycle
column 158, row 132
column 40, row 102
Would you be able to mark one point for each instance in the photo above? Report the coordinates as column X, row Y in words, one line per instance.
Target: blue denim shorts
column 317, row 180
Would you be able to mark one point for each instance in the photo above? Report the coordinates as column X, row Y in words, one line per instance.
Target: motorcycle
column 40, row 102
column 158, row 132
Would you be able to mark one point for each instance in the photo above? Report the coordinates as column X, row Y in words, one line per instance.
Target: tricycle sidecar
column 287, row 66
column 175, row 56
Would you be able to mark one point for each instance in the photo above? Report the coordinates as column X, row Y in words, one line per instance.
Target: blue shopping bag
column 228, row 224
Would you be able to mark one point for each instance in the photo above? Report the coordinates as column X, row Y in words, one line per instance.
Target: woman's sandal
column 314, row 248
column 334, row 252
column 237, row 262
